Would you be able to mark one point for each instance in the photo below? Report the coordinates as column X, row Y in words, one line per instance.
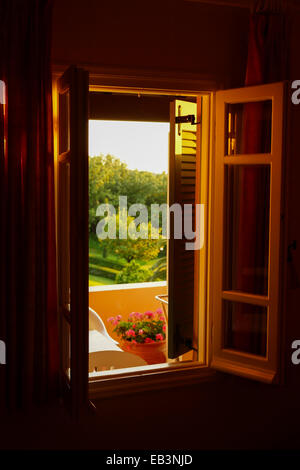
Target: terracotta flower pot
column 152, row 353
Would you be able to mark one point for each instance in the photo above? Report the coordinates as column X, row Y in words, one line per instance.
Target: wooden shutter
column 73, row 230
column 183, row 179
column 247, row 194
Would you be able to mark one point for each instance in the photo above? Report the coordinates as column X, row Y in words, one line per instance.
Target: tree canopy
column 110, row 178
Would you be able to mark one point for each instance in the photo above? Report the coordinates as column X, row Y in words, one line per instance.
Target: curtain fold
column 267, row 62
column 28, row 291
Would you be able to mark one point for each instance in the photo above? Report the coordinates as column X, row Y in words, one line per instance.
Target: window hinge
column 189, row 343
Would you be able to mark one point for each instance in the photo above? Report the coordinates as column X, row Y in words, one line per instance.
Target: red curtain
column 28, row 292
column 266, row 63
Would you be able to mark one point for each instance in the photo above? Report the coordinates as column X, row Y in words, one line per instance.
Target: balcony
column 120, row 299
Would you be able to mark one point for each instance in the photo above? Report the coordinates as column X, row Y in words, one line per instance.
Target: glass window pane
column 245, row 327
column 65, row 329
column 64, row 234
column 64, row 122
column 246, row 229
column 2, row 120
column 248, row 127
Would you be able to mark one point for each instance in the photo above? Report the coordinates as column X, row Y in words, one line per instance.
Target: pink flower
column 111, row 319
column 138, row 315
column 130, row 332
column 132, row 315
column 118, row 317
column 164, row 328
column 134, row 325
column 149, row 340
column 149, row 314
column 159, row 311
column 162, row 319
column 159, row 337
column 115, row 322
column 141, row 331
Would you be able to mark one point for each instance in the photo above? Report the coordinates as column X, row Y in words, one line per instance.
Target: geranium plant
column 140, row 328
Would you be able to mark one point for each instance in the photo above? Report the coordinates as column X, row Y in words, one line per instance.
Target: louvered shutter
column 181, row 261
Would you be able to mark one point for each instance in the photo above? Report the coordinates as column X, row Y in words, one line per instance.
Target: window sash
column 233, row 361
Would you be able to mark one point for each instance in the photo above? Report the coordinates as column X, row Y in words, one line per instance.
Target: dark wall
column 179, row 37
column 130, row 107
column 230, row 414
column 170, row 35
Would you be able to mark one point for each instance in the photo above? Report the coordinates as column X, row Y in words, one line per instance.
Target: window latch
column 188, row 118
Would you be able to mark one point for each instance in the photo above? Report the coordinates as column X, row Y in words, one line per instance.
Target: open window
column 118, row 113
column 246, row 231
column 223, row 252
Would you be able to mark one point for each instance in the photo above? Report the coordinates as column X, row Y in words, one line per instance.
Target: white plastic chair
column 104, row 352
column 96, row 323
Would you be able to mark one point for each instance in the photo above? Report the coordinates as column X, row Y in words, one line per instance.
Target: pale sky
column 142, row 145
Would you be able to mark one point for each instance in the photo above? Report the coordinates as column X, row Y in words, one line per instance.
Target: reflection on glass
column 245, row 327
column 64, row 122
column 248, row 128
column 2, row 138
column 246, row 229
column 64, row 234
column 66, row 345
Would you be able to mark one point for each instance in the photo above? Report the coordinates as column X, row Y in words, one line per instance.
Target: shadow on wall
column 191, row 37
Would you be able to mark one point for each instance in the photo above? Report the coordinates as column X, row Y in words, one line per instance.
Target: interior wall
column 171, row 36
column 131, row 107
column 176, row 37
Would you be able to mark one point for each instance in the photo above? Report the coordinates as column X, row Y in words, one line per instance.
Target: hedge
column 99, row 261
column 102, row 271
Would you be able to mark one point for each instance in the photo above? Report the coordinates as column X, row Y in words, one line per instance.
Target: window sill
column 130, row 381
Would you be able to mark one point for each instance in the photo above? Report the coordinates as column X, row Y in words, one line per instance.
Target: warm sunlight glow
column 142, row 145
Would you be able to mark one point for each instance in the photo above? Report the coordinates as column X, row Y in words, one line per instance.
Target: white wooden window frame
column 261, row 368
column 172, row 373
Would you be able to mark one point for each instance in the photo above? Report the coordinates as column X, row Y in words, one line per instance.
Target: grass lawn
column 95, row 252
column 99, row 281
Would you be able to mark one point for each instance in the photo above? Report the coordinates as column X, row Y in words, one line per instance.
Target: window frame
column 265, row 369
column 170, row 374
column 135, row 380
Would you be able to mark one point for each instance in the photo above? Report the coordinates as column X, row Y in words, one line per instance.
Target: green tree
column 133, row 247
column 110, row 178
column 133, row 272
column 105, row 184
column 159, row 270
column 145, row 188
